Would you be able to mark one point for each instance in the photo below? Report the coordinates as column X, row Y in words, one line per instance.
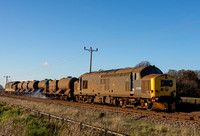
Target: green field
column 17, row 122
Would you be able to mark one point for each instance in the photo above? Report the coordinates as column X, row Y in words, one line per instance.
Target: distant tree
column 173, row 73
column 143, row 63
column 198, row 73
column 187, row 82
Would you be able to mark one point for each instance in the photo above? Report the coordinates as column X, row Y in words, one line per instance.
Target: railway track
column 179, row 116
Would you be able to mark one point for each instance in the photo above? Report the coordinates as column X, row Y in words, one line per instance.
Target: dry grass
column 128, row 124
column 14, row 121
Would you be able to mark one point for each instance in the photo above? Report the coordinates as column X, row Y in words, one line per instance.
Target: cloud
column 45, row 64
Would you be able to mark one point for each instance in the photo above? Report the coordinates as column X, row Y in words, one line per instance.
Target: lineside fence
column 66, row 120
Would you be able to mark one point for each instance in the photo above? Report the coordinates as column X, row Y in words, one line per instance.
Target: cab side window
column 85, row 84
column 135, row 76
column 80, row 81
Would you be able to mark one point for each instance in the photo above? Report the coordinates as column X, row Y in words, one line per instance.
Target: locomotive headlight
column 157, row 99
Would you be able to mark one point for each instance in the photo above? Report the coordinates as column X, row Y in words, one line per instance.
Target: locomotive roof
column 150, row 76
column 154, row 76
column 116, row 71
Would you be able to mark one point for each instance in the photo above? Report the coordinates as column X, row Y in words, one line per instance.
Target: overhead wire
column 153, row 33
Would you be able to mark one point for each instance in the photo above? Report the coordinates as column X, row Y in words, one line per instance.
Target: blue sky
column 164, row 32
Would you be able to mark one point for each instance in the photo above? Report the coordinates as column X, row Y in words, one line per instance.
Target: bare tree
column 143, row 63
column 187, row 82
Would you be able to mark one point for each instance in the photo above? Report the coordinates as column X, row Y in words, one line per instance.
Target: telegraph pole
column 7, row 78
column 90, row 50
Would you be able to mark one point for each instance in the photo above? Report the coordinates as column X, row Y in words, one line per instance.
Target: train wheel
column 92, row 100
column 117, row 103
column 134, row 107
column 64, row 98
column 61, row 98
column 150, row 105
column 169, row 107
column 124, row 106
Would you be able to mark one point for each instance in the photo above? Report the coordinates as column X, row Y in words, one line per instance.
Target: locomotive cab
column 163, row 92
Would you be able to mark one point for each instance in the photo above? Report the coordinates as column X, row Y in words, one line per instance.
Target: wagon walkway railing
column 64, row 120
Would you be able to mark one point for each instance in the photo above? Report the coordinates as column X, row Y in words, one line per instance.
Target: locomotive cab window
column 85, row 84
column 166, row 83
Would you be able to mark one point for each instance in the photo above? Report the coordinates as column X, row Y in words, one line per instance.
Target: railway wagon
column 145, row 87
column 25, row 86
column 11, row 86
column 62, row 89
column 44, row 85
column 20, row 87
column 33, row 85
column 53, row 87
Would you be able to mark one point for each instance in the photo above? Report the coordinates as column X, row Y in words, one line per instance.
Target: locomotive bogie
column 163, row 106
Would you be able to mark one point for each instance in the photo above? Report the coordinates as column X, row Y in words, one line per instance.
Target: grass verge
column 125, row 123
column 17, row 122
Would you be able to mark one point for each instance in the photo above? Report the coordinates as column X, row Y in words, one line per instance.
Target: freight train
column 138, row 87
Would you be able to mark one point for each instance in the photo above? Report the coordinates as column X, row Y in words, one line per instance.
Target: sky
column 45, row 38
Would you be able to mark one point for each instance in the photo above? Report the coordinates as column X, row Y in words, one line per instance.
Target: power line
column 90, row 50
column 6, row 78
column 161, row 31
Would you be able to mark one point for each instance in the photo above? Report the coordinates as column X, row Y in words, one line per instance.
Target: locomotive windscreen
column 166, row 83
column 150, row 70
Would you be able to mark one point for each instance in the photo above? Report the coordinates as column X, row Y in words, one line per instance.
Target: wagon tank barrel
column 33, row 85
column 66, row 83
column 19, row 86
column 25, row 85
column 43, row 84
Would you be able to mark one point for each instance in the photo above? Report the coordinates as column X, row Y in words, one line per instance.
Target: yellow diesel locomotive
column 141, row 87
